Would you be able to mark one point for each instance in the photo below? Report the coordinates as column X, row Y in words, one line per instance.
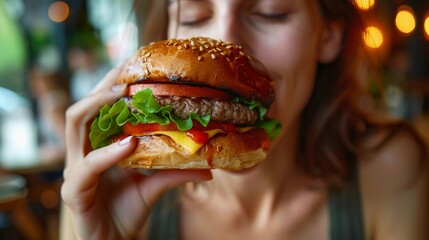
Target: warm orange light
column 405, row 20
column 364, row 4
column 373, row 37
column 426, row 26
column 58, row 11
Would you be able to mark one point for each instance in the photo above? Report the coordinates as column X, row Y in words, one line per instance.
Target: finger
column 81, row 179
column 79, row 115
column 162, row 181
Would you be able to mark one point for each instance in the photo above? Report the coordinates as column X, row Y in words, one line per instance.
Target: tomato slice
column 180, row 90
column 140, row 129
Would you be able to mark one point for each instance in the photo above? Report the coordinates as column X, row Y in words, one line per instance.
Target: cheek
column 291, row 97
column 293, row 70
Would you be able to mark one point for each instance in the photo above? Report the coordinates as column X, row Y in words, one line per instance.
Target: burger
column 194, row 103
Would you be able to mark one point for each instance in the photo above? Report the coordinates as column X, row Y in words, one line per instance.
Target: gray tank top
column 345, row 215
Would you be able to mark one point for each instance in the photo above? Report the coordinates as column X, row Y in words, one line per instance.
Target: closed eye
column 191, row 23
column 273, row 17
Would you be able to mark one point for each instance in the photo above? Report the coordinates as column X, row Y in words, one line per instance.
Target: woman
column 334, row 172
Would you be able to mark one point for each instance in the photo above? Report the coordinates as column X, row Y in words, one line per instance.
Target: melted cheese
column 186, row 142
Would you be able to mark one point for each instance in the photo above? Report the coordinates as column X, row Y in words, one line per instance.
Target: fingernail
column 118, row 88
column 125, row 141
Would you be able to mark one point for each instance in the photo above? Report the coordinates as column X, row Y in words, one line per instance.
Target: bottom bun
column 231, row 151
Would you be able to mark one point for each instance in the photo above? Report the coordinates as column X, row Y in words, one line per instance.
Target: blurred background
column 52, row 53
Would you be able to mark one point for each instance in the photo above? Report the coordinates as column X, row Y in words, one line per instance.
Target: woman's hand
column 108, row 202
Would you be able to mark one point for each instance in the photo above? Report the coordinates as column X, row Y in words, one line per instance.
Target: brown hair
column 333, row 126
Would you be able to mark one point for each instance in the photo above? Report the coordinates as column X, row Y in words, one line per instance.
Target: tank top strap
column 345, row 212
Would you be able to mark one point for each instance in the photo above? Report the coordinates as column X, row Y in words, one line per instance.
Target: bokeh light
column 373, row 37
column 405, row 20
column 426, row 25
column 58, row 11
column 364, row 4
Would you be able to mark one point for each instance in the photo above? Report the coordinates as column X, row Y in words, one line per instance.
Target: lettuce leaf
column 100, row 138
column 271, row 126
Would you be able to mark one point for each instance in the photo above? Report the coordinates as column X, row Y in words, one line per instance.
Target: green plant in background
column 12, row 50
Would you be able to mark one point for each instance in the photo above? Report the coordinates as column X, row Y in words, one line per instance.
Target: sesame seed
column 228, row 47
column 147, row 54
column 213, row 56
column 201, row 48
column 179, row 47
column 186, row 45
column 200, row 58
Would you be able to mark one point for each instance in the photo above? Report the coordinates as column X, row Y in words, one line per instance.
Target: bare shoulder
column 396, row 165
column 394, row 185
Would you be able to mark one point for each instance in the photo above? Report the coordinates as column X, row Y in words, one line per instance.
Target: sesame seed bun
column 201, row 61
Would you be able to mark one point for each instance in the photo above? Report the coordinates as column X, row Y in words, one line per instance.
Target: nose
column 230, row 28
